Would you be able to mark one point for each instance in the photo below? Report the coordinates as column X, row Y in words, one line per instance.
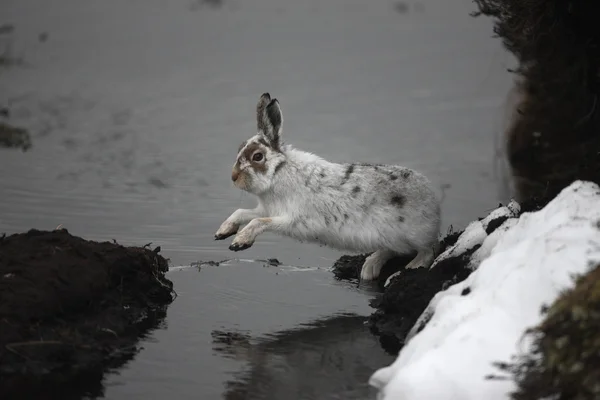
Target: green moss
column 565, row 361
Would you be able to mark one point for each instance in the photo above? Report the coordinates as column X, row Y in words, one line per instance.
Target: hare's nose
column 234, row 175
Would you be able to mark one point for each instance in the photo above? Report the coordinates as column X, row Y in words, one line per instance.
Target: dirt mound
column 70, row 308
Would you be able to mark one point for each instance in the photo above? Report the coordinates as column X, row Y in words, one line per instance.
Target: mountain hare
column 361, row 208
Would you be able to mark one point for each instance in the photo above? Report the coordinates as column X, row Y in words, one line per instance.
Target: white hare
column 361, row 208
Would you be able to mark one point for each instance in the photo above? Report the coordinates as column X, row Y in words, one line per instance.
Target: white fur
column 386, row 210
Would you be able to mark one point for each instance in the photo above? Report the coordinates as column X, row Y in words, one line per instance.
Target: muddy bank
column 72, row 308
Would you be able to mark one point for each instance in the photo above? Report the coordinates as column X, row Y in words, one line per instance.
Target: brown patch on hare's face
column 256, row 155
column 263, row 142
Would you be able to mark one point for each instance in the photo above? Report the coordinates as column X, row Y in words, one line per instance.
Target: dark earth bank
column 554, row 135
column 71, row 309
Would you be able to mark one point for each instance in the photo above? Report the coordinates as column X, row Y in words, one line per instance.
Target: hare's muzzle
column 235, row 174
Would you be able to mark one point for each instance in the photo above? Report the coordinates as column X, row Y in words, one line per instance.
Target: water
column 136, row 109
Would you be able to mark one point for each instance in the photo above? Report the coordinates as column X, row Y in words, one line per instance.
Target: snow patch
column 477, row 232
column 482, row 320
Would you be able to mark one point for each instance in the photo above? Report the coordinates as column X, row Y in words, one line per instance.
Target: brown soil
column 70, row 309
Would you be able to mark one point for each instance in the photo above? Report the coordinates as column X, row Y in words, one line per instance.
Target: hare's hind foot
column 373, row 264
column 423, row 259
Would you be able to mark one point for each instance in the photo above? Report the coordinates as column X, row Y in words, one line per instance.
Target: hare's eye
column 257, row 157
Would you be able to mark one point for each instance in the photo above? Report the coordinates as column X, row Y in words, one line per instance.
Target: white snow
column 528, row 266
column 476, row 233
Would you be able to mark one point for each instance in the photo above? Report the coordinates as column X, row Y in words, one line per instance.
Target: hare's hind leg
column 373, row 264
column 424, row 258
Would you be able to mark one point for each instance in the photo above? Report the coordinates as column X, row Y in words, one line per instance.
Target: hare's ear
column 261, row 118
column 273, row 120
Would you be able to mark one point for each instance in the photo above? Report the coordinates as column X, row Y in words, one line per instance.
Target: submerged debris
column 13, row 137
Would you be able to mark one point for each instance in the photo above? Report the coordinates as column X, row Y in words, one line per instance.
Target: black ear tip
column 272, row 103
column 266, row 95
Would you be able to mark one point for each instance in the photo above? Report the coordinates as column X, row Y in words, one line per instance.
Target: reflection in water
column 323, row 359
column 87, row 383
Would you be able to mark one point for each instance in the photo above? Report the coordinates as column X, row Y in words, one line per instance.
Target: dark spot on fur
column 348, row 172
column 279, row 166
column 335, row 218
column 393, row 177
column 398, row 200
column 355, row 190
column 345, row 216
column 401, row 218
column 405, row 174
column 465, row 291
column 322, row 174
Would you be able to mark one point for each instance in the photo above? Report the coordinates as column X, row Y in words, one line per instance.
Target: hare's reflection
column 327, row 358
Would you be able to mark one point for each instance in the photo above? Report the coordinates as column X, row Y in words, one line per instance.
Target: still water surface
column 137, row 109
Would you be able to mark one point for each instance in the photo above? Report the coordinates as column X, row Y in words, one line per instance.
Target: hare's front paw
column 241, row 242
column 227, row 229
